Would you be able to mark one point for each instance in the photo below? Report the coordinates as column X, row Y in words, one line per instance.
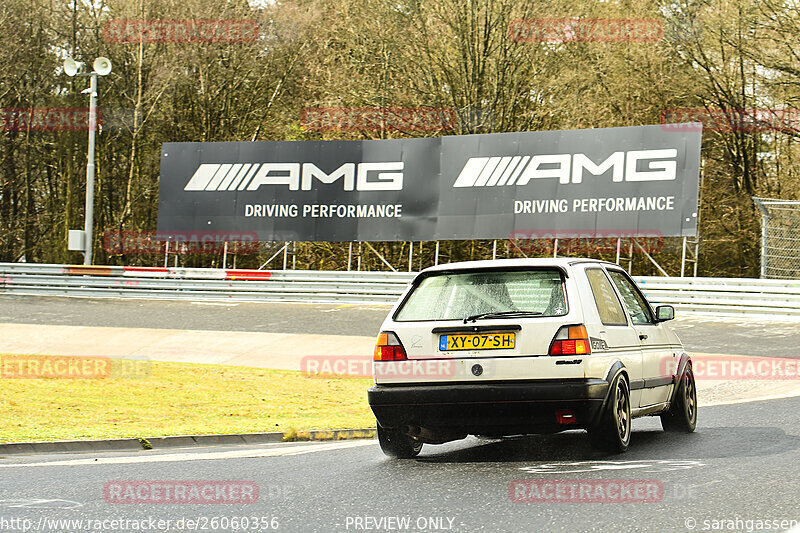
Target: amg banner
column 633, row 181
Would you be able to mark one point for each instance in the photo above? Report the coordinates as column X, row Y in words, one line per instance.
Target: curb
column 334, row 434
column 179, row 441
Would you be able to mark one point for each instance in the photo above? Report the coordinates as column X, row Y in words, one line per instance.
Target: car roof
column 563, row 263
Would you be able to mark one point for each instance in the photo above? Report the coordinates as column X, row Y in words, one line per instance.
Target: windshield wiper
column 503, row 314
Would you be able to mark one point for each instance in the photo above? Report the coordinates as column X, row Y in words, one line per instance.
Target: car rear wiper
column 503, row 314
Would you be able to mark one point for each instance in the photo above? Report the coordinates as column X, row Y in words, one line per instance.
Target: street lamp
column 102, row 66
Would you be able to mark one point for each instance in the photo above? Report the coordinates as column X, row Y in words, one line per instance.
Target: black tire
column 682, row 414
column 613, row 431
column 397, row 445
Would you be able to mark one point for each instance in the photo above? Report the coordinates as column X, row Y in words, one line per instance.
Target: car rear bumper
column 489, row 408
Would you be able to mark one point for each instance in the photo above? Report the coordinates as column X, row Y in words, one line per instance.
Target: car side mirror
column 665, row 312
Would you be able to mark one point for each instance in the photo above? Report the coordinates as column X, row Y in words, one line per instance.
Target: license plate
column 479, row 341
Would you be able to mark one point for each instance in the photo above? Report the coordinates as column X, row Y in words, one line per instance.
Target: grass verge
column 179, row 399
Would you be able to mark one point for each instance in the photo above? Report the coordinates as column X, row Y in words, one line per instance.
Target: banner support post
column 225, row 255
column 619, row 245
column 350, row 256
column 630, row 258
column 380, row 256
column 683, row 256
column 494, row 250
column 276, row 254
column 436, row 255
column 661, row 270
column 555, row 248
column 410, row 255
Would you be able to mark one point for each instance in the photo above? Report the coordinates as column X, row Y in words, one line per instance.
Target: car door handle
column 642, row 336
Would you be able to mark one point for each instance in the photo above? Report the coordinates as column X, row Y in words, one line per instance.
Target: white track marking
column 38, row 503
column 567, row 467
column 279, row 451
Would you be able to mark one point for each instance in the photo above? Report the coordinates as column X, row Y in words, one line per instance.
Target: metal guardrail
column 713, row 295
column 725, row 295
column 203, row 284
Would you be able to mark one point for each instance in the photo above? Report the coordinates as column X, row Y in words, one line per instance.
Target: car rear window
column 457, row 295
column 608, row 306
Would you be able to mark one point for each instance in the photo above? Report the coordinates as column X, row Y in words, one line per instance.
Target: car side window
column 638, row 309
column 606, row 301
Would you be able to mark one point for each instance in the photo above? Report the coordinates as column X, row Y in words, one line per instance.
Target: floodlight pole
column 87, row 254
column 100, row 67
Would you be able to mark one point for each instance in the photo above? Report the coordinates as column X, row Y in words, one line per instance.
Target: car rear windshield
column 457, row 295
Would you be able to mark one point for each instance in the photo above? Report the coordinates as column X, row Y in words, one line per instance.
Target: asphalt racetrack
column 741, row 464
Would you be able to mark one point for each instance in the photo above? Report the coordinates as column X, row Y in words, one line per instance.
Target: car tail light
column 571, row 340
column 388, row 348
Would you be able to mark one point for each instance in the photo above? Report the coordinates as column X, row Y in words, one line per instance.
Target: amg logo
column 296, row 176
column 660, row 165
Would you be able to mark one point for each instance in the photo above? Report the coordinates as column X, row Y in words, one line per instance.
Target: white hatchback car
column 520, row 346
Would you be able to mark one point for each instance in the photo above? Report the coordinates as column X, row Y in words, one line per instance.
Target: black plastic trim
column 616, row 369
column 476, row 329
column 498, row 407
column 685, row 359
column 658, row 382
column 495, row 392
